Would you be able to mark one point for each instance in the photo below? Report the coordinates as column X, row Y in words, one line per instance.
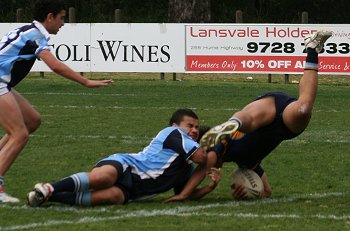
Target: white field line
column 145, row 139
column 131, row 107
column 77, row 94
column 165, row 108
column 119, row 94
column 182, row 211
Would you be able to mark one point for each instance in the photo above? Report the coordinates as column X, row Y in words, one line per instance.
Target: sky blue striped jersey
column 167, row 152
column 19, row 50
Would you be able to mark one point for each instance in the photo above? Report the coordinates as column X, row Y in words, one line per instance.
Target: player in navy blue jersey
column 255, row 131
column 18, row 51
column 166, row 163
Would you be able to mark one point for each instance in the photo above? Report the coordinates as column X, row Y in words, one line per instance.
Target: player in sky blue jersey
column 18, row 51
column 166, row 163
column 255, row 131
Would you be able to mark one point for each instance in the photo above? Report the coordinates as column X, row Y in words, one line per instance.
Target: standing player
column 255, row 131
column 18, row 51
column 164, row 164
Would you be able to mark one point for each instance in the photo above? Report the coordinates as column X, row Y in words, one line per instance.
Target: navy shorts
column 124, row 178
column 251, row 148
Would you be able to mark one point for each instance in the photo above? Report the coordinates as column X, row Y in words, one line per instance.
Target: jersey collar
column 42, row 29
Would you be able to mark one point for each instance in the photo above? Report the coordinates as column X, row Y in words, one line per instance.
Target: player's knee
column 34, row 123
column 304, row 111
column 116, row 196
column 20, row 137
column 100, row 178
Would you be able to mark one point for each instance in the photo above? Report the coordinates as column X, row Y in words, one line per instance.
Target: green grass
column 309, row 174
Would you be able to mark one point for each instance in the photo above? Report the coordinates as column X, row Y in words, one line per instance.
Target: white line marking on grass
column 172, row 212
column 182, row 211
column 76, row 94
column 123, row 139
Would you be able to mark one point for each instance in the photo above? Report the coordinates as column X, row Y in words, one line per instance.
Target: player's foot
column 40, row 193
column 219, row 133
column 6, row 198
column 317, row 40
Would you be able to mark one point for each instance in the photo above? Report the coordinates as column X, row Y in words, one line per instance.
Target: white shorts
column 3, row 88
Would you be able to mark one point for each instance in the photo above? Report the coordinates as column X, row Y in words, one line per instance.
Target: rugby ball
column 248, row 179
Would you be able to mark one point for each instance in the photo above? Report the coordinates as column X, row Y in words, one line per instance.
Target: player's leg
column 256, row 114
column 11, row 120
column 99, row 178
column 32, row 118
column 297, row 115
column 112, row 195
column 3, row 140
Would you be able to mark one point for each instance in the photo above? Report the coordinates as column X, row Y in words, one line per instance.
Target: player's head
column 202, row 130
column 187, row 120
column 50, row 13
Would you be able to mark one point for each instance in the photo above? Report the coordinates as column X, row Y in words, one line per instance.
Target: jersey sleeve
column 181, row 143
column 42, row 45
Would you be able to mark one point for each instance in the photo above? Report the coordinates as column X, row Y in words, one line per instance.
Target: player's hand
column 239, row 192
column 98, row 83
column 174, row 198
column 215, row 176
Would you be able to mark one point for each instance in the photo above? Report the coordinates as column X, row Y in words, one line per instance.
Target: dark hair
column 202, row 130
column 179, row 114
column 43, row 7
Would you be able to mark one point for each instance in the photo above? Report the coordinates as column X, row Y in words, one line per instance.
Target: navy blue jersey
column 164, row 164
column 248, row 149
column 19, row 50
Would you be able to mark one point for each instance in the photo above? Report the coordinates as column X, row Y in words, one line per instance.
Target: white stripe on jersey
column 153, row 173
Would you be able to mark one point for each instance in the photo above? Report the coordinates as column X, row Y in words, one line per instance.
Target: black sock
column 64, row 185
column 311, row 59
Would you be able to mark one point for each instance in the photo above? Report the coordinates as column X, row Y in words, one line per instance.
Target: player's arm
column 190, row 191
column 267, row 192
column 215, row 176
column 62, row 69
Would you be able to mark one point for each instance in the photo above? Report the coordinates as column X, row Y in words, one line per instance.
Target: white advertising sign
column 116, row 47
column 137, row 48
column 212, row 48
column 263, row 48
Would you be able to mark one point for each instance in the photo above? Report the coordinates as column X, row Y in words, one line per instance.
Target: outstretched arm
column 62, row 69
column 215, row 176
column 190, row 191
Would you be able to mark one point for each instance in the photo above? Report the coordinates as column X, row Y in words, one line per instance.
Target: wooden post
column 269, row 78
column 117, row 16
column 304, row 17
column 174, row 76
column 239, row 16
column 19, row 14
column 162, row 75
column 72, row 15
column 286, row 78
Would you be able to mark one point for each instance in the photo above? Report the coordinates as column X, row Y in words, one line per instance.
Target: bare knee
column 34, row 123
column 116, row 196
column 20, row 137
column 102, row 177
column 304, row 111
column 297, row 115
column 111, row 195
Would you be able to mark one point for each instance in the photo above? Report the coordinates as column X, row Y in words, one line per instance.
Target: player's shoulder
column 172, row 131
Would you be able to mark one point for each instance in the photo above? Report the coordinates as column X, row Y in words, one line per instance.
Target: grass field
column 309, row 175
